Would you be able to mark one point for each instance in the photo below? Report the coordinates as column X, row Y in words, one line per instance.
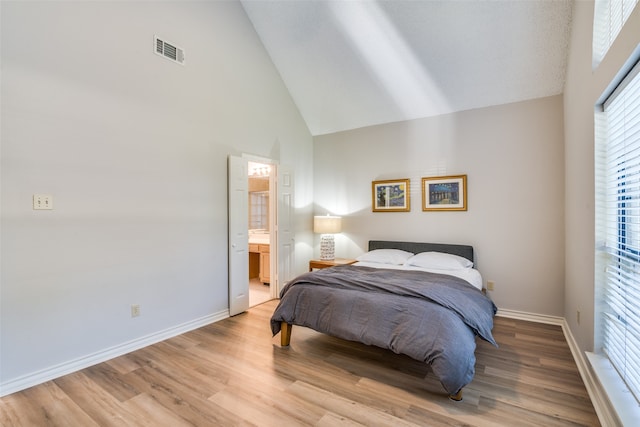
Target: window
column 618, row 228
column 259, row 210
column 608, row 18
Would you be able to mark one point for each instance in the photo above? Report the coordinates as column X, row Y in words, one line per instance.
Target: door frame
column 273, row 212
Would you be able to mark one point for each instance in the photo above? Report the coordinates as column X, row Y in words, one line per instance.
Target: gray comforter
column 430, row 317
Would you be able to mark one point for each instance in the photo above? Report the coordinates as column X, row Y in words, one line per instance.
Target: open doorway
column 260, row 223
column 281, row 231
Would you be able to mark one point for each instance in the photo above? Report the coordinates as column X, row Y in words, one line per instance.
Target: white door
column 238, row 235
column 285, row 238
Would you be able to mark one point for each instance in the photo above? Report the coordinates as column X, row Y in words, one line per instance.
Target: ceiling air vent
column 169, row 50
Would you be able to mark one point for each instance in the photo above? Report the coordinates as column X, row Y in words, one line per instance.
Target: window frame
column 618, row 230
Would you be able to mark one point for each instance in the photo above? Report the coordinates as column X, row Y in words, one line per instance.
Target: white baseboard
column 606, row 413
column 71, row 366
column 596, row 393
column 531, row 317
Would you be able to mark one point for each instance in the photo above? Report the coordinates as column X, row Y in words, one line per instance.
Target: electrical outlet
column 491, row 285
column 578, row 316
column 42, row 201
column 135, row 310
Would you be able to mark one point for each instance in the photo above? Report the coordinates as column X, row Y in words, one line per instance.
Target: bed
column 423, row 300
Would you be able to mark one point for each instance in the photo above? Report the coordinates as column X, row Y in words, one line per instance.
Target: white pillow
column 439, row 260
column 386, row 256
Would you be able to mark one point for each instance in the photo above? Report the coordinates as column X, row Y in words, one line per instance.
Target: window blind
column 608, row 18
column 620, row 228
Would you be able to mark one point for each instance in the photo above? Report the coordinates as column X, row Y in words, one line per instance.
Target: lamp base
column 327, row 247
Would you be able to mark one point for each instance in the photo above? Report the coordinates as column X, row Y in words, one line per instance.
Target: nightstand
column 324, row 263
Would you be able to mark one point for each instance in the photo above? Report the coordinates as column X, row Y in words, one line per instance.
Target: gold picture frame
column 391, row 195
column 444, row 193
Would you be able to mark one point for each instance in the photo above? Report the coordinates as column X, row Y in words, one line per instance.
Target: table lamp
column 327, row 226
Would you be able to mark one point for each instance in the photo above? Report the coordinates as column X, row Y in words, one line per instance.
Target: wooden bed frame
column 415, row 247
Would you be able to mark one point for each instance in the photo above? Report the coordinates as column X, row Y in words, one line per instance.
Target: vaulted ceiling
column 350, row 64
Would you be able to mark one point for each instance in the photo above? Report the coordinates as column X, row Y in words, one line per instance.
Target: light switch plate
column 42, row 201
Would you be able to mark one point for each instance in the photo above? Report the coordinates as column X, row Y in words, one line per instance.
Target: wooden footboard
column 285, row 334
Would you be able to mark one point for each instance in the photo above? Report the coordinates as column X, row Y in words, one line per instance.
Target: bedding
column 471, row 275
column 431, row 317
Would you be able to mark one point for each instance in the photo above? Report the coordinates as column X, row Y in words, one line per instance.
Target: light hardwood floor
column 234, row 372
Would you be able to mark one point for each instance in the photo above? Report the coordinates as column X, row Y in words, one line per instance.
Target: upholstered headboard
column 460, row 250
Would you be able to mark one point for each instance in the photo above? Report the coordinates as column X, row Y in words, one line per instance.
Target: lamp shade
column 327, row 224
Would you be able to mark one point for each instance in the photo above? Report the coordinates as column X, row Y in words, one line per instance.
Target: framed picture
column 444, row 193
column 391, row 195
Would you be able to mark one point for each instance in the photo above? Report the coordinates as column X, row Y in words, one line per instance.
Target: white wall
column 513, row 157
column 583, row 89
column 133, row 149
